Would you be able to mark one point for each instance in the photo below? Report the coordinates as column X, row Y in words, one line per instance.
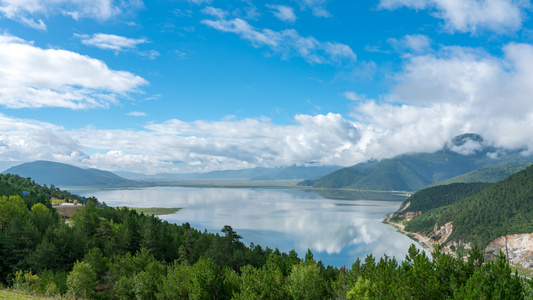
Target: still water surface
column 336, row 231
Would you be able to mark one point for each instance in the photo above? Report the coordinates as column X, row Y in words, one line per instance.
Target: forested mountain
column 411, row 172
column 47, row 172
column 486, row 174
column 438, row 196
column 116, row 253
column 503, row 208
column 31, row 192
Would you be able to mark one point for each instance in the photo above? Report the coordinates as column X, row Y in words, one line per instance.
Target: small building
column 66, row 210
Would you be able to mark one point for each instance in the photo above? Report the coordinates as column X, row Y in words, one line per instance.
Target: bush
column 26, row 282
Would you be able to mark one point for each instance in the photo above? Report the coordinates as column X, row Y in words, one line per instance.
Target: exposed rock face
column 403, row 207
column 517, row 247
column 411, row 214
column 444, row 232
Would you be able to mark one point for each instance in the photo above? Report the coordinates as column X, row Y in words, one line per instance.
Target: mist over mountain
column 59, row 174
column 411, row 172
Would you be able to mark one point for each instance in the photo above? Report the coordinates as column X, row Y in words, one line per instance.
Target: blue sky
column 201, row 85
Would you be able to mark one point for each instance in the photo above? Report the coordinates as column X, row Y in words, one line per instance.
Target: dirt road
column 422, row 240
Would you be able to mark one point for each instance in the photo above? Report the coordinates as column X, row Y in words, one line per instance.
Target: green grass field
column 155, row 210
column 8, row 294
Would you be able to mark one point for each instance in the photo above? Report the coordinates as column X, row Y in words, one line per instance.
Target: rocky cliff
column 517, row 247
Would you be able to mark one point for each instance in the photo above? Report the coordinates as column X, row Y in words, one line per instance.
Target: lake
column 336, row 230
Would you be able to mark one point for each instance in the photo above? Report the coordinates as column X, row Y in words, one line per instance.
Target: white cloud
column 215, row 12
column 284, row 13
column 25, row 140
column 200, row 2
column 26, row 11
column 470, row 15
column 318, row 7
column 177, row 146
column 287, row 43
column 150, row 54
column 416, row 43
column 351, row 96
column 248, row 142
column 181, row 55
column 117, row 43
column 137, row 114
column 455, row 91
column 468, row 148
column 394, row 4
column 445, row 93
column 25, row 79
column 110, row 41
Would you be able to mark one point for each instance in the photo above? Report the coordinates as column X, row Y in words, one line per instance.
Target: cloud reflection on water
column 337, row 231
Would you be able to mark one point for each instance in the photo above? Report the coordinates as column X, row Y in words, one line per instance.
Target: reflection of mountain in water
column 354, row 195
column 337, row 230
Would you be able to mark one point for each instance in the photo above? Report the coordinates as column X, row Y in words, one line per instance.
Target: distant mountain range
column 465, row 159
column 284, row 173
column 411, row 172
column 58, row 174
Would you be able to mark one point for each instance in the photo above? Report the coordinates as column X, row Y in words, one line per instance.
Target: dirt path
column 421, row 239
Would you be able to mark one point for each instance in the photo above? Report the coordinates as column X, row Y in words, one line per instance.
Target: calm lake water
column 336, row 231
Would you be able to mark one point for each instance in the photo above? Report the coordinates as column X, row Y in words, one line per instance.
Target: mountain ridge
column 253, row 174
column 414, row 171
column 60, row 174
column 496, row 210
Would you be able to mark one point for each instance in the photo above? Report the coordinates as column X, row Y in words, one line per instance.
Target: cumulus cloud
column 177, row 146
column 437, row 95
column 24, row 140
column 25, row 79
column 454, row 91
column 287, row 43
column 110, row 41
column 468, row 148
column 282, row 12
column 442, row 94
column 470, row 15
column 29, row 12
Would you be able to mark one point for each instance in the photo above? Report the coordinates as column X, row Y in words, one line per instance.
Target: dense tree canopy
column 503, row 208
column 116, row 253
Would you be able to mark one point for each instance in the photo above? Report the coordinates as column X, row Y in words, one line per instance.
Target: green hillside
column 442, row 195
column 487, row 174
column 47, row 172
column 409, row 172
column 503, row 208
column 412, row 172
column 31, row 192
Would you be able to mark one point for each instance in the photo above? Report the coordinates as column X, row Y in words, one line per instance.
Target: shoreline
column 422, row 241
